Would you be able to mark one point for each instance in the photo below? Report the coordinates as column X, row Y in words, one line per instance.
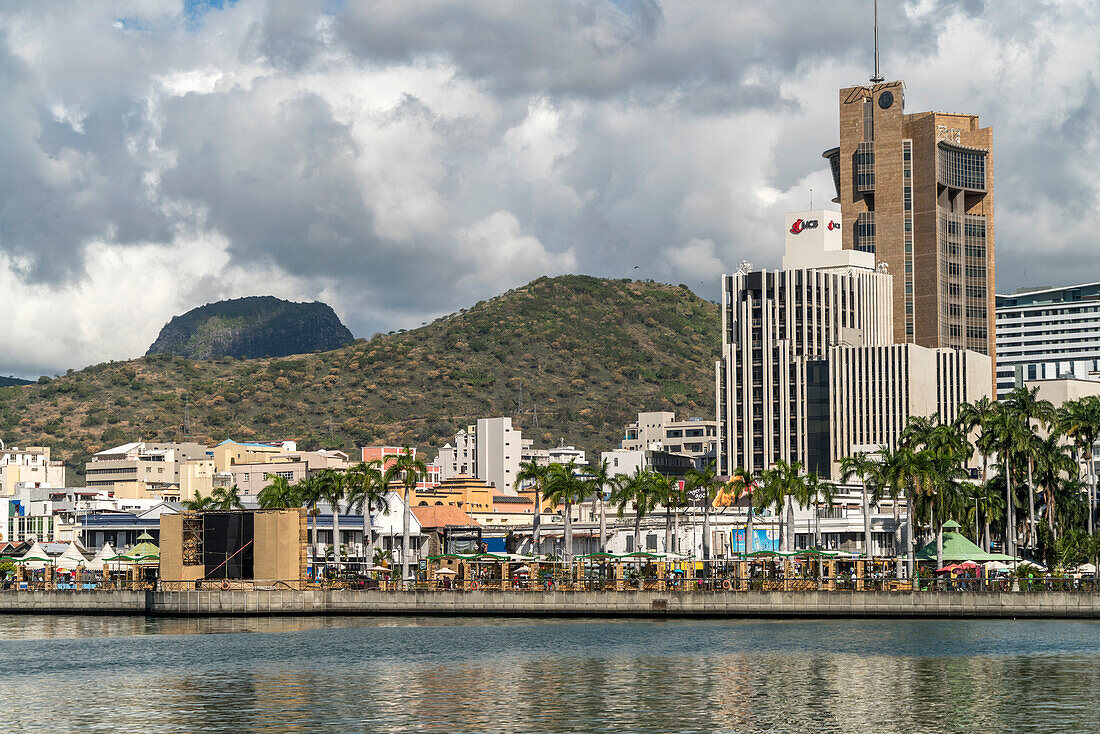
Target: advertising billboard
column 762, row 539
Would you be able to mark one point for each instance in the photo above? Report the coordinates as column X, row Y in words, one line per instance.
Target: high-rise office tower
column 809, row 372
column 917, row 191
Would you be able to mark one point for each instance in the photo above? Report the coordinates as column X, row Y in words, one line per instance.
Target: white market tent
column 72, row 558
column 36, row 558
column 97, row 562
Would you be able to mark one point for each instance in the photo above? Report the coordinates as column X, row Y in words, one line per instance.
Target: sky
column 401, row 160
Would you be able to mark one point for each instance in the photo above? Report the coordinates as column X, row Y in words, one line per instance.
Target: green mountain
column 9, row 381
column 572, row 357
column 258, row 326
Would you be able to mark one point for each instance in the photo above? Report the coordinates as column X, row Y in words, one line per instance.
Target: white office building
column 1047, row 333
column 489, row 450
column 808, row 372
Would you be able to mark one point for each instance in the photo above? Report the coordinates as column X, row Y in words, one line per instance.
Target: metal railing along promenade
column 725, row 584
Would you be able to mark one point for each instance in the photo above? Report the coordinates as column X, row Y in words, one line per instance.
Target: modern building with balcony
column 1047, row 333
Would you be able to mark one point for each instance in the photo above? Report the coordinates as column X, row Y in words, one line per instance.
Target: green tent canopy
column 956, row 547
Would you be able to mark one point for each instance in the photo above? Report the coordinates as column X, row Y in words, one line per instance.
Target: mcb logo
column 801, row 225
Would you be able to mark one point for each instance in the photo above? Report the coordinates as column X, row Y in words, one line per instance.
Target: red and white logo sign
column 801, row 225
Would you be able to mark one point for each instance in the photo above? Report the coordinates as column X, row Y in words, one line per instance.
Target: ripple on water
column 124, row 674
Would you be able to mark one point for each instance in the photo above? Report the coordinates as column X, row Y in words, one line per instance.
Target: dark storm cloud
column 401, row 159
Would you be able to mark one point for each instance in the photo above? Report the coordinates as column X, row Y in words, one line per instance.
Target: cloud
column 354, row 152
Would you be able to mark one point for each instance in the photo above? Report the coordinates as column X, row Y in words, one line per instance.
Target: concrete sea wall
column 652, row 604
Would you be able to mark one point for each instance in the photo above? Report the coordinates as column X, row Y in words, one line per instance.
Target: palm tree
column 199, row 503
column 1053, row 461
column 334, row 487
column 1079, row 420
column 1026, row 404
column 910, row 467
column 408, row 470
column 704, row 482
column 779, row 486
column 861, row 465
column 535, row 474
column 1010, row 437
column 565, row 487
column 979, row 416
column 226, row 498
column 667, row 495
column 741, row 483
column 280, row 494
column 893, row 480
column 366, row 494
column 637, row 489
column 309, row 492
column 599, row 480
column 381, row 557
column 813, row 492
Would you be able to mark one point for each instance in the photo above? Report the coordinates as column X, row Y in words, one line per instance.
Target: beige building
column 141, row 470
column 772, row 323
column 917, row 191
column 873, row 391
column 293, row 466
column 659, row 430
column 228, row 452
column 31, row 466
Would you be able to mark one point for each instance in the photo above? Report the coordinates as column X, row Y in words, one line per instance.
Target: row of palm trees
column 360, row 489
column 1037, row 495
column 642, row 492
column 1035, row 450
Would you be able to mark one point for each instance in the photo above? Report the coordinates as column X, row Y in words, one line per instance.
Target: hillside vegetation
column 583, row 354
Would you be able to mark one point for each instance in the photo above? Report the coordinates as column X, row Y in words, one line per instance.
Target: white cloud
column 400, row 160
column 503, row 257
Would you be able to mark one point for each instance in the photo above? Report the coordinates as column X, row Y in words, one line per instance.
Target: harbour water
column 136, row 674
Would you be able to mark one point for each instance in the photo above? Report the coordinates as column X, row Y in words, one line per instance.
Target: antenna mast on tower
column 877, row 78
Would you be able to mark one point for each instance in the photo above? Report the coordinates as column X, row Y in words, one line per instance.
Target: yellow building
column 465, row 492
column 229, row 452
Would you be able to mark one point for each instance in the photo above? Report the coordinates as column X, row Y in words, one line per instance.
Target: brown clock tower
column 917, row 191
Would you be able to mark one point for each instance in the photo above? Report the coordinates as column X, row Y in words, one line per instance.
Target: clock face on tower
column 886, row 99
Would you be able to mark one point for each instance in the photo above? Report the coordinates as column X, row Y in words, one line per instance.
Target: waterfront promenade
column 651, row 604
